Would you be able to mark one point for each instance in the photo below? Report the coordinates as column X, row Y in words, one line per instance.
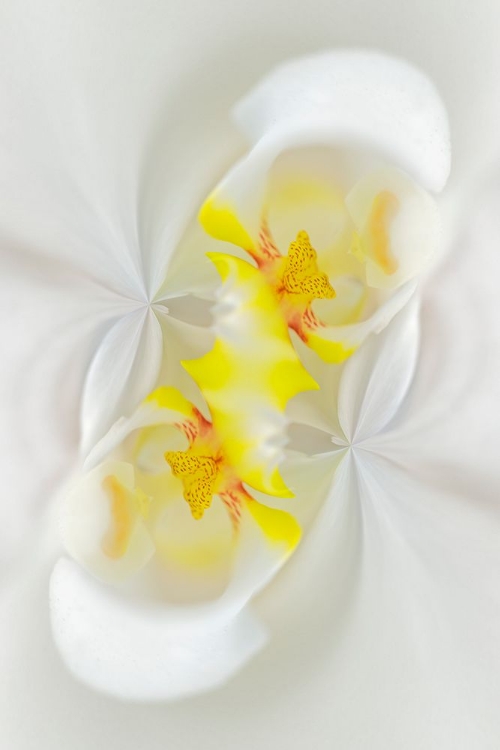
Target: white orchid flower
column 166, row 494
column 118, row 111
column 329, row 201
column 120, row 518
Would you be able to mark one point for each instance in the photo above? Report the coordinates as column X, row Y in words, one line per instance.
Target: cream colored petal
column 195, row 557
column 124, row 370
column 304, row 192
column 376, row 379
column 51, row 322
column 335, row 343
column 398, row 227
column 164, row 406
column 102, row 523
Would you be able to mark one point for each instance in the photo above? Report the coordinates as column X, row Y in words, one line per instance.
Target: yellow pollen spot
column 384, row 206
column 198, row 475
column 116, row 541
column 301, row 274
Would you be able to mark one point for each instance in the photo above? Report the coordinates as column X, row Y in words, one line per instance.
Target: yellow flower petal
column 250, row 375
column 220, row 221
column 278, row 526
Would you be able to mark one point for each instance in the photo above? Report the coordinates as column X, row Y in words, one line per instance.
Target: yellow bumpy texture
column 198, row 475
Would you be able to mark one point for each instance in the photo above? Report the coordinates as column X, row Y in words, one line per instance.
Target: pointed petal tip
column 220, row 220
column 222, row 262
column 278, row 488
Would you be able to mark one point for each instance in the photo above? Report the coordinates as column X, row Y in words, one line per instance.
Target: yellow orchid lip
column 250, row 375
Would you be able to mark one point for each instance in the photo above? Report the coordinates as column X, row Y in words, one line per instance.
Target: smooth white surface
column 355, row 97
column 376, row 378
column 124, row 370
column 145, row 652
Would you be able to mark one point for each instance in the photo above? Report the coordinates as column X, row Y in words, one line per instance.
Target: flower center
column 301, row 275
column 296, row 279
column 199, row 476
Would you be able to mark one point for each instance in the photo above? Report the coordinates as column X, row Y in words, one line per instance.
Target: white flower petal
column 185, row 341
column 314, row 408
column 365, row 98
column 351, row 336
column 123, row 371
column 427, row 591
column 450, row 431
column 51, row 318
column 159, row 651
column 89, row 516
column 376, row 378
column 145, row 652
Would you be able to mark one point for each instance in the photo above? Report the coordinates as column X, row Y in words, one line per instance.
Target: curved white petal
column 189, row 271
column 314, row 408
column 377, row 377
column 185, row 341
column 344, row 339
column 424, row 609
column 159, row 651
column 143, row 652
column 50, row 323
column 123, row 371
column 336, row 408
column 449, row 430
column 402, row 625
column 380, row 106
column 360, row 97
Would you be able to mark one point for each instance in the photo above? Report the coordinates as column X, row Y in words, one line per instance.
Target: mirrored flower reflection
column 165, row 493
column 171, row 464
column 331, row 201
column 286, row 287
